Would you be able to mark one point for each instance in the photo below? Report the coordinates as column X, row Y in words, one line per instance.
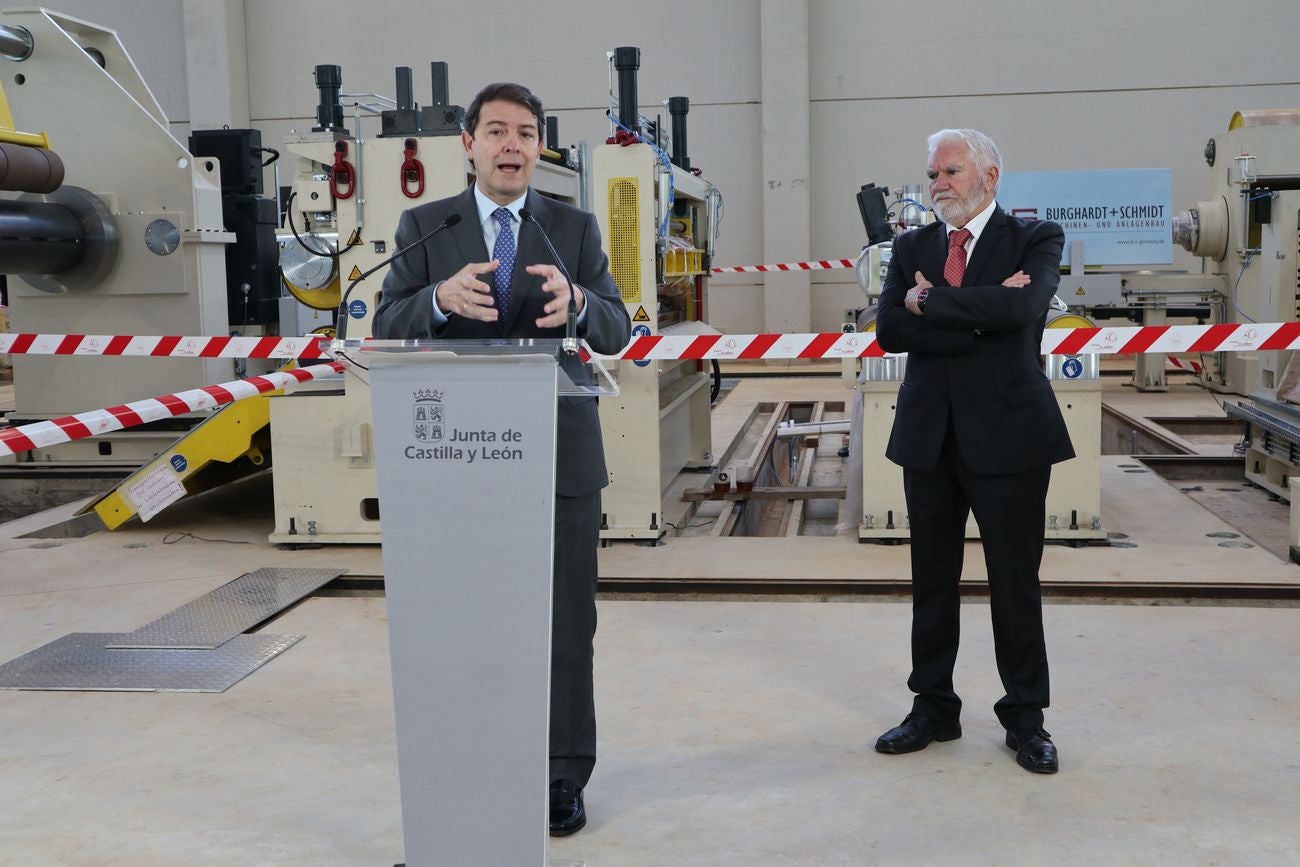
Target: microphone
column 570, row 342
column 452, row 219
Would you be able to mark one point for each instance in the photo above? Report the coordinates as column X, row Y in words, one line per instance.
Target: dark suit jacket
column 406, row 308
column 976, row 353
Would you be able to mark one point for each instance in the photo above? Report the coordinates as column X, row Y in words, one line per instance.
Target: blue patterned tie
column 504, row 252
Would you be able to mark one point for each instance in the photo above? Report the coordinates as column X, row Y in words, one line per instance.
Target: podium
column 464, row 438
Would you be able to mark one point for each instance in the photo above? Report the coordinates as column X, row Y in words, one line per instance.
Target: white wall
column 706, row 51
column 1059, row 86
column 1122, row 85
column 153, row 33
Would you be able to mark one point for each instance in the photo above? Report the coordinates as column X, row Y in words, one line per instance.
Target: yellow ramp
column 233, row 443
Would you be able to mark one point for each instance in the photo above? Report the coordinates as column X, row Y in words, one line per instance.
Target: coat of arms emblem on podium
column 427, row 415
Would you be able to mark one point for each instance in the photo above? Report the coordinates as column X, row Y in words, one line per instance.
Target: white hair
column 982, row 149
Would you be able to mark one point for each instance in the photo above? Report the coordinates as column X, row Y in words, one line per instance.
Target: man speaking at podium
column 450, row 288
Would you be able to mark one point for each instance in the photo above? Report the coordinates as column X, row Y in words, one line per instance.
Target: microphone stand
column 570, row 342
column 452, row 219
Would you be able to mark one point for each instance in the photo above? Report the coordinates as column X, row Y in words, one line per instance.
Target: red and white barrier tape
column 832, row 345
column 1127, row 340
column 1056, row 341
column 101, row 421
column 655, row 347
column 1179, row 363
column 1227, row 337
column 819, row 265
column 162, row 347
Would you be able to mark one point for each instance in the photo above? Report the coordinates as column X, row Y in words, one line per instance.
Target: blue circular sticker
column 1072, row 367
column 357, row 309
column 179, row 463
column 641, row 331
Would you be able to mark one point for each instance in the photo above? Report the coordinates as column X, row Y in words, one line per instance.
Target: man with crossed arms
column 977, row 429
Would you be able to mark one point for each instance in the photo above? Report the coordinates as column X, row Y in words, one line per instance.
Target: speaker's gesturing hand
column 463, row 294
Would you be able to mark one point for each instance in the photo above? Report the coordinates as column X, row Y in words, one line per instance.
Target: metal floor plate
column 84, row 661
column 214, row 618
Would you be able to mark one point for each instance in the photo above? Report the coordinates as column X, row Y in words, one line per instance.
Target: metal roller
column 39, row 237
column 60, row 242
column 15, row 42
column 1203, row 229
column 29, row 169
column 311, row 277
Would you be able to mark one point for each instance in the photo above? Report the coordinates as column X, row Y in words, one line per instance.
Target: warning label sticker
column 154, row 492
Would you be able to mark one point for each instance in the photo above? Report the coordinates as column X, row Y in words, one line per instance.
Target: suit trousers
column 1009, row 510
column 573, row 630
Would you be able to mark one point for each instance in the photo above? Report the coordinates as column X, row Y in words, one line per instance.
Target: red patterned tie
column 955, row 268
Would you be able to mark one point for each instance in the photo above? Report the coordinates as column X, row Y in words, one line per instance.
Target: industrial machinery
column 348, row 191
column 874, row 500
column 1245, row 229
column 1149, row 298
column 1248, row 229
column 659, row 220
column 109, row 226
column 1097, row 290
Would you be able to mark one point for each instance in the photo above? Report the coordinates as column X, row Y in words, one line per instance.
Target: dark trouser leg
column 573, row 628
column 936, row 510
column 1010, row 512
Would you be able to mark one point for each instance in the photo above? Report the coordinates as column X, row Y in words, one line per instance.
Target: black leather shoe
column 1034, row 750
column 568, row 815
column 915, row 733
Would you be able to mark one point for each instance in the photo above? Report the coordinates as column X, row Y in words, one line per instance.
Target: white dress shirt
column 975, row 226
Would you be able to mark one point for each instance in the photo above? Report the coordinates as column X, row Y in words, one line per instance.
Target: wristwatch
column 922, row 297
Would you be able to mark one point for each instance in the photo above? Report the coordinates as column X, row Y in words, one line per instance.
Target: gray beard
column 958, row 213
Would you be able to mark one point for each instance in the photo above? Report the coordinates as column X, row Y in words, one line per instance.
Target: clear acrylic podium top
column 579, row 374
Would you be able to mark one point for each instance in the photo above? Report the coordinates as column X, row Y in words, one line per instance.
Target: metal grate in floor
column 199, row 647
column 85, row 661
column 214, row 618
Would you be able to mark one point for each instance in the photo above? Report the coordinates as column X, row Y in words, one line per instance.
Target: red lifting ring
column 343, row 178
column 412, row 172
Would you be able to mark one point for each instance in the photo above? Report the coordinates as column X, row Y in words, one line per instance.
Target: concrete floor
column 731, row 732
